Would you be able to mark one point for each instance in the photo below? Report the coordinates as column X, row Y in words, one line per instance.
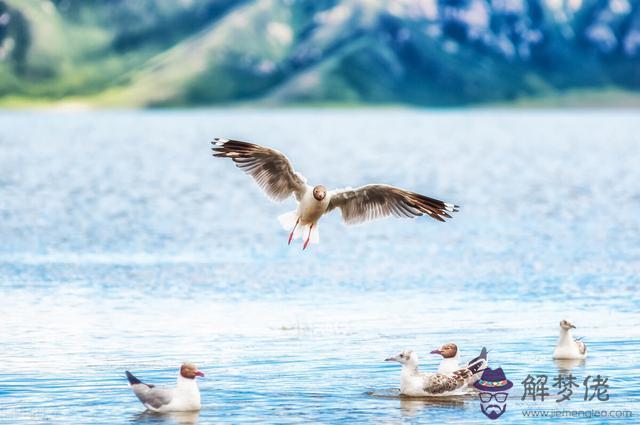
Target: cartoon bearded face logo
column 494, row 390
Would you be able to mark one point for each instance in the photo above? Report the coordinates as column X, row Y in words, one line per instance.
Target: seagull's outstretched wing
column 149, row 395
column 270, row 168
column 379, row 200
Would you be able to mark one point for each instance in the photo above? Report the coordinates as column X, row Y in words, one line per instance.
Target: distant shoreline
column 576, row 99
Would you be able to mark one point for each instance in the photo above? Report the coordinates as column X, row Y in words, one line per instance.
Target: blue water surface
column 125, row 245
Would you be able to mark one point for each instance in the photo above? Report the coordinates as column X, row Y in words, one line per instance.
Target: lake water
column 125, row 245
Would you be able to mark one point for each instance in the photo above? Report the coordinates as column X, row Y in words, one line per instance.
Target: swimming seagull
column 183, row 398
column 451, row 356
column 275, row 175
column 568, row 348
column 418, row 384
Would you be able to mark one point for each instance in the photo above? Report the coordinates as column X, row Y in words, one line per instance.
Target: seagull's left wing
column 270, row 168
column 379, row 200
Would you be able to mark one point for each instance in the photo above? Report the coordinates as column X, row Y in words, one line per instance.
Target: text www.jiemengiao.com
column 558, row 413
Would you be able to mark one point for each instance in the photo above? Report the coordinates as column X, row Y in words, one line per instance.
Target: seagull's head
column 407, row 357
column 447, row 351
column 190, row 371
column 319, row 192
column 566, row 325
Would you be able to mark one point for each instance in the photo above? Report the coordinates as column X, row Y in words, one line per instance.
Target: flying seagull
column 184, row 397
column 275, row 175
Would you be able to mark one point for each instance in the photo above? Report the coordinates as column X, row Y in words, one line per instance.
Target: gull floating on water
column 418, row 384
column 184, row 397
column 275, row 175
column 568, row 348
column 450, row 362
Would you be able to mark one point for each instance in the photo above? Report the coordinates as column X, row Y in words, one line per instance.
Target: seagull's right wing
column 269, row 168
column 582, row 347
column 149, row 395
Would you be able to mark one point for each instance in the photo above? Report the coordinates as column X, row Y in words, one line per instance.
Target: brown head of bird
column 189, row 371
column 447, row 351
column 566, row 325
column 319, row 192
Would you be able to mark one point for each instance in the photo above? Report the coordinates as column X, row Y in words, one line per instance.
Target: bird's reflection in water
column 565, row 366
column 179, row 418
column 409, row 406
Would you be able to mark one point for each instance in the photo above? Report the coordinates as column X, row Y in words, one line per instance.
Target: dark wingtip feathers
column 218, row 147
column 434, row 208
column 226, row 148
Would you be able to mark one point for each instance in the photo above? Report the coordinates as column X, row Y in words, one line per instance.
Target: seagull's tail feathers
column 310, row 235
column 483, row 353
column 288, row 222
column 132, row 379
column 478, row 365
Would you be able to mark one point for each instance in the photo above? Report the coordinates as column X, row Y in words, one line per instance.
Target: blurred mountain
column 421, row 52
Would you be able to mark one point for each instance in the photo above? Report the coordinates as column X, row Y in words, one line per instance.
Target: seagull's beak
column 436, row 352
column 391, row 359
column 198, row 373
column 572, row 326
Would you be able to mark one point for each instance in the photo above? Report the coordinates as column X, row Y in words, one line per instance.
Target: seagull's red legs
column 308, row 237
column 294, row 229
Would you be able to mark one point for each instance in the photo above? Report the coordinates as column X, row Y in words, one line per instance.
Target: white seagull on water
column 184, row 397
column 568, row 348
column 275, row 175
column 414, row 383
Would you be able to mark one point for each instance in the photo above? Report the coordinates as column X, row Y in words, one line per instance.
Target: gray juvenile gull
column 275, row 175
column 418, row 384
column 568, row 348
column 183, row 398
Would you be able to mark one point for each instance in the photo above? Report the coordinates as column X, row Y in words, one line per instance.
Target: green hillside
column 203, row 52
